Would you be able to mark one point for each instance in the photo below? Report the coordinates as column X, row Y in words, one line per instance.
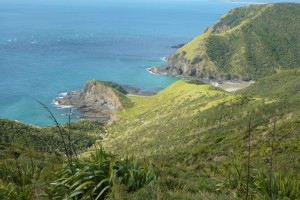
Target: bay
column 51, row 47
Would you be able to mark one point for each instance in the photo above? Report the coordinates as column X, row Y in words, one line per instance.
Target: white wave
column 59, row 106
column 164, row 59
column 63, row 94
column 54, row 102
column 33, row 42
column 67, row 114
column 65, row 106
column 149, row 70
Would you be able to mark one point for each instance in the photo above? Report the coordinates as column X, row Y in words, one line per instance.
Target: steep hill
column 246, row 43
column 186, row 115
column 198, row 132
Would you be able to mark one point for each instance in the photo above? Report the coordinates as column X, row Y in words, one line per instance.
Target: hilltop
column 247, row 43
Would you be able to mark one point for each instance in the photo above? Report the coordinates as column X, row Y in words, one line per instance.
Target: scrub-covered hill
column 246, row 43
column 199, row 133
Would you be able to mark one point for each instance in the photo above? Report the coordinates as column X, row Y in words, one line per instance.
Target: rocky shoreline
column 227, row 85
column 132, row 90
column 100, row 101
column 157, row 70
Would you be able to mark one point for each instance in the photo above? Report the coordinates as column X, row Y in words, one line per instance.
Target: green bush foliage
column 94, row 177
column 48, row 139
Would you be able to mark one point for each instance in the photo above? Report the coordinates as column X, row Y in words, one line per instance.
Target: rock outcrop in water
column 98, row 100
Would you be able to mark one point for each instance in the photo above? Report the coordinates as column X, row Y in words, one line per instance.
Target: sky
column 124, row 1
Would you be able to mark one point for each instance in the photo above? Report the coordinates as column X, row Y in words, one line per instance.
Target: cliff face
column 98, row 100
column 97, row 96
column 246, row 43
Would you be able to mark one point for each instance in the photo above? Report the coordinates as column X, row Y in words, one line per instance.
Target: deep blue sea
column 50, row 47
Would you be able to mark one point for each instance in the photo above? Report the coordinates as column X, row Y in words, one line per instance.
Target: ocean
column 50, row 47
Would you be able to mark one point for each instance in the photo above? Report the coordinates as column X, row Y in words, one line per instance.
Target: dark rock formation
column 100, row 100
column 178, row 46
column 97, row 101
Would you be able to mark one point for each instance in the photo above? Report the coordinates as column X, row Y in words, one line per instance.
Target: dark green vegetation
column 246, row 43
column 30, row 155
column 114, row 86
column 99, row 175
column 47, row 139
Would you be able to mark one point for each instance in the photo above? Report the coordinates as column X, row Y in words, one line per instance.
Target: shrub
column 95, row 177
column 282, row 186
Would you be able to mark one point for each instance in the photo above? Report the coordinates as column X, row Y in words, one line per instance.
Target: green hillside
column 197, row 135
column 186, row 111
column 246, row 43
column 189, row 141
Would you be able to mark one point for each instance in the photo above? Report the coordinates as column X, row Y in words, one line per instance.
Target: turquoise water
column 47, row 48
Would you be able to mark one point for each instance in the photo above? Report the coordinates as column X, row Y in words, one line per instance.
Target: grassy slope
column 249, row 42
column 191, row 128
column 185, row 115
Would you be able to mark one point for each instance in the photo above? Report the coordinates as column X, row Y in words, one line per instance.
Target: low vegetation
column 197, row 135
column 84, row 134
column 190, row 141
column 95, row 177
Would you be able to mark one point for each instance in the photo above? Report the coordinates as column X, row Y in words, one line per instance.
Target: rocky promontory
column 247, row 43
column 98, row 100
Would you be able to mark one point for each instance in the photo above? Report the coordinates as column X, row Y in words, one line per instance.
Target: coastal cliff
column 98, row 100
column 247, row 43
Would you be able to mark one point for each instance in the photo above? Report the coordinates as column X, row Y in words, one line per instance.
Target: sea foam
column 59, row 106
column 164, row 59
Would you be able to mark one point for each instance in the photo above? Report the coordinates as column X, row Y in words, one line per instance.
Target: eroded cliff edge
column 98, row 100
